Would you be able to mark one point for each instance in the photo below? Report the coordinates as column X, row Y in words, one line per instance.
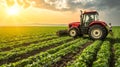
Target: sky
column 42, row 12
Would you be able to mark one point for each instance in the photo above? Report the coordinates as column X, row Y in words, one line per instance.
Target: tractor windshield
column 88, row 18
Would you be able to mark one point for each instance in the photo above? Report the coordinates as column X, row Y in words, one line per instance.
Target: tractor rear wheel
column 73, row 32
column 97, row 32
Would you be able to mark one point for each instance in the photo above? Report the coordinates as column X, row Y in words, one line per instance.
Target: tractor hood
column 74, row 24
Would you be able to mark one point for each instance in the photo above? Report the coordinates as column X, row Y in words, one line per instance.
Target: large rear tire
column 97, row 32
column 73, row 32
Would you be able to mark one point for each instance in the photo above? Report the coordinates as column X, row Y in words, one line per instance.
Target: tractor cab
column 88, row 17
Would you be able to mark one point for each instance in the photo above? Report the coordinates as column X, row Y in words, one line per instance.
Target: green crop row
column 8, row 34
column 11, row 44
column 117, row 54
column 103, row 56
column 48, row 60
column 23, row 50
column 19, row 38
column 23, row 47
column 50, row 56
column 87, row 56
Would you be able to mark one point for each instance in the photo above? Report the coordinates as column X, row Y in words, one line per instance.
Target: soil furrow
column 112, row 57
column 32, row 53
column 70, row 57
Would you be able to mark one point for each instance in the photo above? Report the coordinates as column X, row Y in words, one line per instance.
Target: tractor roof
column 90, row 12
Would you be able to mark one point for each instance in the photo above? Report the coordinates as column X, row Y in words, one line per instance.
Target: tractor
column 89, row 24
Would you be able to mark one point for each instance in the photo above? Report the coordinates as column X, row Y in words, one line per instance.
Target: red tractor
column 89, row 24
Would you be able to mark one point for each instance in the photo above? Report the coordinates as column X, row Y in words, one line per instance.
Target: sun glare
column 13, row 10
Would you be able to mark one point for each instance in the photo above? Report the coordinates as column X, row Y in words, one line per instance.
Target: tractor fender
column 75, row 28
column 98, row 23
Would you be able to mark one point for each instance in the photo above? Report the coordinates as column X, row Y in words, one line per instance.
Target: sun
column 14, row 10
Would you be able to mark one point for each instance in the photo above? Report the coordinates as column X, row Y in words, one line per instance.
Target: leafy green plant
column 87, row 56
column 103, row 56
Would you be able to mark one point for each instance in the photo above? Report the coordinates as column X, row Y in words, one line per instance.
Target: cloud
column 67, row 4
column 109, row 4
column 64, row 5
column 111, row 8
column 51, row 4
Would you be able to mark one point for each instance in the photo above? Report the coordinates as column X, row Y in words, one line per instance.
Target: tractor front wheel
column 73, row 32
column 97, row 32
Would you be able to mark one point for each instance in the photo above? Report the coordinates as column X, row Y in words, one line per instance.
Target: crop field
column 40, row 47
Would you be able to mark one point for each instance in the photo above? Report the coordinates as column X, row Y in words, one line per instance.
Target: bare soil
column 32, row 53
column 70, row 57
